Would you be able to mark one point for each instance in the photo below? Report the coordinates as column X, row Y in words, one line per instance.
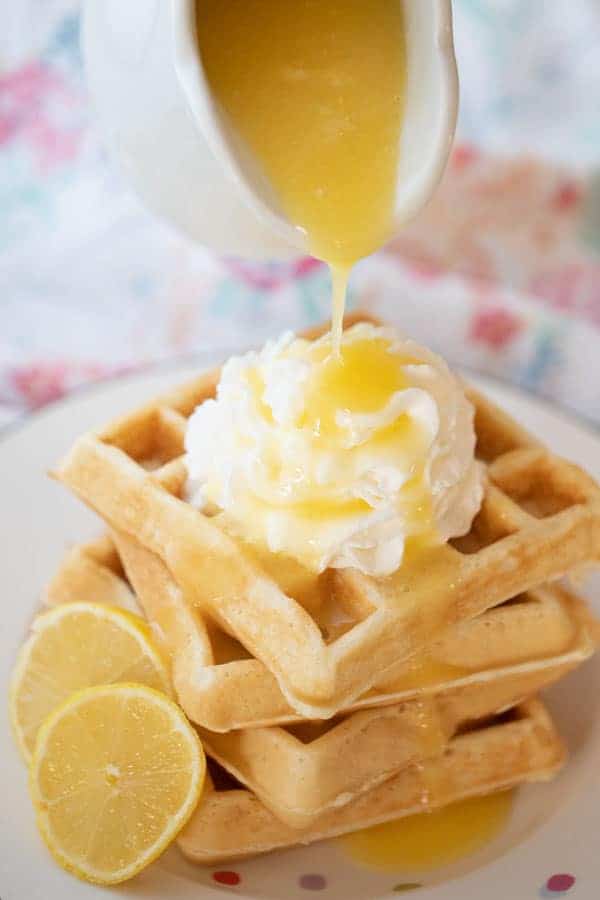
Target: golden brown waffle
column 540, row 519
column 232, row 823
column 92, row 572
column 303, row 771
column 541, row 635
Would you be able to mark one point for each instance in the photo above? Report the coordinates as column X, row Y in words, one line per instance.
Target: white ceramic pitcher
column 147, row 81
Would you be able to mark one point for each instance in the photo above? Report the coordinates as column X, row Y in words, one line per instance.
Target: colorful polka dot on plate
column 231, row 879
column 312, row 882
column 557, row 885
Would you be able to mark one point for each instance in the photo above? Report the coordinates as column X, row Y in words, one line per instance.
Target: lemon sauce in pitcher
column 316, row 90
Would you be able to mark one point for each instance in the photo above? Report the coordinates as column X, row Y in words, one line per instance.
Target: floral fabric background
column 501, row 273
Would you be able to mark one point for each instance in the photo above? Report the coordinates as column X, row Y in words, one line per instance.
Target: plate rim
column 18, row 429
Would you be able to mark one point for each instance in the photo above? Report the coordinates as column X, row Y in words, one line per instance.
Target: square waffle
column 93, row 572
column 540, row 518
column 302, row 772
column 521, row 746
column 222, row 689
column 540, row 635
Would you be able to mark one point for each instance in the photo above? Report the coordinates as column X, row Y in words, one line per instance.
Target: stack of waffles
column 328, row 704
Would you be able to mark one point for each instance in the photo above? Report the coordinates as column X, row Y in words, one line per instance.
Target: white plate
column 553, row 831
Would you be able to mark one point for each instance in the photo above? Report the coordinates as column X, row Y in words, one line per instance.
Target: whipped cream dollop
column 337, row 461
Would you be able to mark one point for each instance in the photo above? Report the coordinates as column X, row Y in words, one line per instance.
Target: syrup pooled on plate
column 430, row 840
column 316, row 91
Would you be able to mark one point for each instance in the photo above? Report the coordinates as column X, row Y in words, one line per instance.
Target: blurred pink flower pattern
column 31, row 99
column 496, row 327
column 500, row 272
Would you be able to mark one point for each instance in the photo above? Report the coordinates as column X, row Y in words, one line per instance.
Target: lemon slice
column 116, row 773
column 74, row 646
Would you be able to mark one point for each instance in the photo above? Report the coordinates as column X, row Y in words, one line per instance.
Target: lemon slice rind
column 176, row 820
column 25, row 675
